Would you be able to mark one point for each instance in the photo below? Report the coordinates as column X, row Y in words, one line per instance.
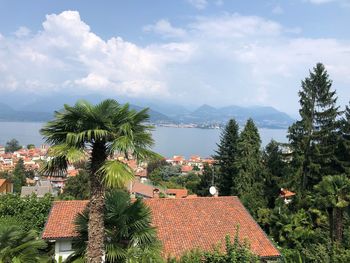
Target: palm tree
column 19, row 246
column 97, row 132
column 128, row 230
column 334, row 195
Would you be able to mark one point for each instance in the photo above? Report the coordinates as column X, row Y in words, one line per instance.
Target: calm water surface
column 168, row 141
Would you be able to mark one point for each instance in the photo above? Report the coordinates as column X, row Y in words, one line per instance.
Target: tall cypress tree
column 226, row 157
column 314, row 137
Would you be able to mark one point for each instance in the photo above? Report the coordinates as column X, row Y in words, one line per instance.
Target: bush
column 29, row 212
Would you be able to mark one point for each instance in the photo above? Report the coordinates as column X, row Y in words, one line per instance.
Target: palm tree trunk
column 338, row 225
column 95, row 246
column 331, row 222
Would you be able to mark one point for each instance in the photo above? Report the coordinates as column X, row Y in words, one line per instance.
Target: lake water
column 168, row 141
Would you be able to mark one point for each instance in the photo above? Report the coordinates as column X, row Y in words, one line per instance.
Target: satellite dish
column 212, row 190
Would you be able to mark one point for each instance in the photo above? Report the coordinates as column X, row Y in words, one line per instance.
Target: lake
column 168, row 141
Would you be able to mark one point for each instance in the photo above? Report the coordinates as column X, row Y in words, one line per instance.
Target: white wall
column 63, row 248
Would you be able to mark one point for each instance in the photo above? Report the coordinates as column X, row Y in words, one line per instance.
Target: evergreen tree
column 248, row 160
column 249, row 182
column 343, row 151
column 206, row 181
column 314, row 137
column 19, row 176
column 276, row 171
column 226, row 157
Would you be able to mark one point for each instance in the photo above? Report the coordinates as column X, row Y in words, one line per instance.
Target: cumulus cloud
column 66, row 54
column 223, row 59
column 253, row 60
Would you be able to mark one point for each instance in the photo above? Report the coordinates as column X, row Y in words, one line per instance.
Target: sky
column 186, row 52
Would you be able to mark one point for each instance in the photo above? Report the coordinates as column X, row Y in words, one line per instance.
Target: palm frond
column 115, row 174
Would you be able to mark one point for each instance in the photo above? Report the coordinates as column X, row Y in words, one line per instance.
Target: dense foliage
column 77, row 187
column 12, row 146
column 29, row 212
column 313, row 225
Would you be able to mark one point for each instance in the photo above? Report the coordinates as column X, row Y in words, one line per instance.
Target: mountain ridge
column 203, row 116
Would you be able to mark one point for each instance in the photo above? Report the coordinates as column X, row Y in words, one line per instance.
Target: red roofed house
column 182, row 225
column 186, row 169
column 60, row 226
column 6, row 186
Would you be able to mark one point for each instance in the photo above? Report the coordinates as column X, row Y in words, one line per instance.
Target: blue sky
column 187, row 52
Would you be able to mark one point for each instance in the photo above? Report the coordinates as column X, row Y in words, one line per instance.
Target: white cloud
column 164, row 28
column 199, row 4
column 230, row 26
column 22, row 31
column 226, row 59
column 67, row 55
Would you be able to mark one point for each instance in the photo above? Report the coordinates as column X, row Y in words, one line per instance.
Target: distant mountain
column 267, row 117
column 41, row 109
column 9, row 114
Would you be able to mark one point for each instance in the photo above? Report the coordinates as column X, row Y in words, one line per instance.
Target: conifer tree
column 249, row 182
column 314, row 137
column 343, row 151
column 226, row 157
column 276, row 171
column 248, row 161
column 206, row 181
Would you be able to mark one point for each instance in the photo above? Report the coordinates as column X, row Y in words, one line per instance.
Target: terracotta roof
column 186, row 168
column 182, row 224
column 179, row 193
column 285, row 193
column 185, row 224
column 60, row 223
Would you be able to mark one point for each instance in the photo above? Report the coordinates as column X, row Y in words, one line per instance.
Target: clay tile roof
column 179, row 193
column 182, row 224
column 185, row 224
column 60, row 223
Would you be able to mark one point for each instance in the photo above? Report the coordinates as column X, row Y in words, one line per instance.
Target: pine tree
column 314, row 137
column 226, row 157
column 19, row 176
